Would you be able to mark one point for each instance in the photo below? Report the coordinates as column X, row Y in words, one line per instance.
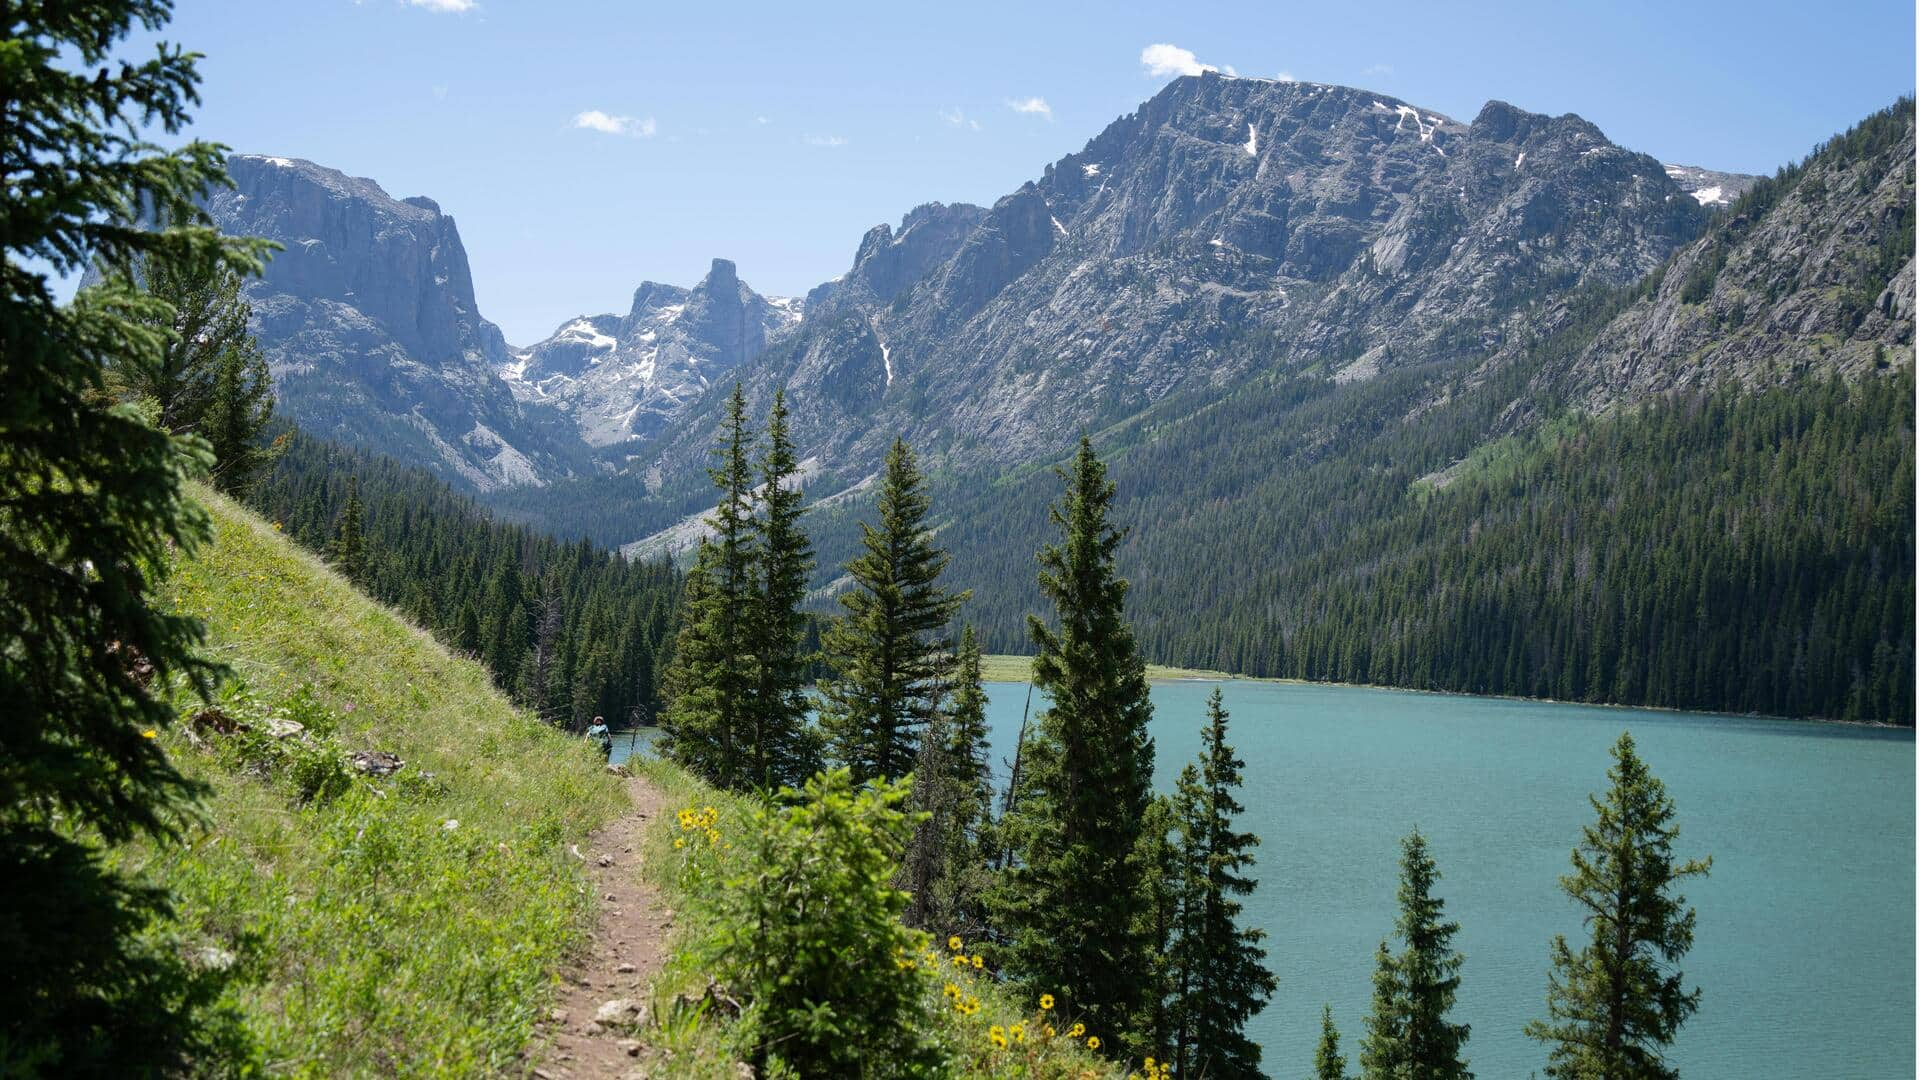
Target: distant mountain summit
column 369, row 323
column 623, row 379
column 1709, row 188
column 1228, row 227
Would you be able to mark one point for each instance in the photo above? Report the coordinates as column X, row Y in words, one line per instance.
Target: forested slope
column 568, row 629
column 1741, row 539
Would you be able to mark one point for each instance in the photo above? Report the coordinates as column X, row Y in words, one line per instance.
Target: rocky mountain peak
column 622, row 379
column 1349, row 232
column 369, row 323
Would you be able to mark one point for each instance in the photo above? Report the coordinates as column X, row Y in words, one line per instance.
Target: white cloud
column 1286, row 76
column 445, row 7
column 959, row 119
column 824, row 140
column 761, row 120
column 1034, row 105
column 1163, row 60
column 1377, row 69
column 595, row 120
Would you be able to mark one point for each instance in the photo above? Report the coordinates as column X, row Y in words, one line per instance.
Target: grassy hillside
column 406, row 925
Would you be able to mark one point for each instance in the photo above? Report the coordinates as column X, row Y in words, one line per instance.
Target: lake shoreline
column 997, row 668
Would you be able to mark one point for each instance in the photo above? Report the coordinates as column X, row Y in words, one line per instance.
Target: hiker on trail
column 598, row 731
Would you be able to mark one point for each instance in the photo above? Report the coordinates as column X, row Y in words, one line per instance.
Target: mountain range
column 1222, row 207
column 1286, row 279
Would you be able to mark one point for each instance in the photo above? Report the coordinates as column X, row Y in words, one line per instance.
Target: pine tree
column 93, row 510
column 348, row 550
column 785, row 750
column 1408, row 1035
column 205, row 320
column 945, row 868
column 1166, row 870
column 889, row 651
column 712, row 680
column 1222, row 977
column 1618, row 1002
column 505, row 635
column 694, row 732
column 241, row 408
column 1328, row 1064
column 1067, row 900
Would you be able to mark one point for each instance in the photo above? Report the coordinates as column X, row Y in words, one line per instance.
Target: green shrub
column 812, row 936
column 290, row 744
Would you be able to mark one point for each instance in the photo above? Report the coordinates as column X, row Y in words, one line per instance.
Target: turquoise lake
column 1805, row 942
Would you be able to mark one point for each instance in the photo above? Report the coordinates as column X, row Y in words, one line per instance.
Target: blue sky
column 586, row 146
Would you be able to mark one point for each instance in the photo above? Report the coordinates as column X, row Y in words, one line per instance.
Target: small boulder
column 625, row 969
column 629, row 1047
column 376, row 762
column 619, row 1011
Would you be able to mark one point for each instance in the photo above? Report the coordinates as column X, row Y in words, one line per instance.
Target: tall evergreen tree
column 889, row 652
column 92, row 510
column 204, row 320
column 1220, row 967
column 1408, row 1034
column 946, row 864
column 693, row 732
column 713, row 677
column 1167, row 871
column 240, row 410
column 1328, row 1064
column 348, row 550
column 1617, row 1003
column 1066, row 902
column 785, row 749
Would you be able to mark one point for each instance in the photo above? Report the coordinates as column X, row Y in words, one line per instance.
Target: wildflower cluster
column 1030, row 1038
column 700, row 823
column 1153, row 1070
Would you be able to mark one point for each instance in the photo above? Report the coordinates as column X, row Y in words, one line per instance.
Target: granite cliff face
column 1809, row 272
column 622, row 379
column 1228, row 227
column 369, row 323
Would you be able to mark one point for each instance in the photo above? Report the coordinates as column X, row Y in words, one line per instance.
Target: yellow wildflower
column 955, row 943
column 951, row 990
column 1046, row 1001
column 1076, row 1031
column 1019, row 1032
column 1047, row 1031
column 978, row 963
column 149, row 734
column 679, row 841
column 1093, row 1042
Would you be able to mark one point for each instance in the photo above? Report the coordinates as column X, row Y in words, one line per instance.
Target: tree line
column 1120, row 906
